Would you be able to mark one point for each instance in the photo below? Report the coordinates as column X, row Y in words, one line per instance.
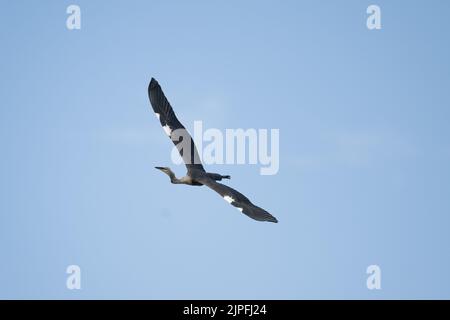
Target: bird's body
column 196, row 174
column 191, row 177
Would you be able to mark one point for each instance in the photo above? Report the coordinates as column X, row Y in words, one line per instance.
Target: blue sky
column 364, row 149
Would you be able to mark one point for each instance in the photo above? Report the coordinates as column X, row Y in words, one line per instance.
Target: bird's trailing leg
column 216, row 176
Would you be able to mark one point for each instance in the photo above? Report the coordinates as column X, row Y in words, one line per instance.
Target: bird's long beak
column 159, row 168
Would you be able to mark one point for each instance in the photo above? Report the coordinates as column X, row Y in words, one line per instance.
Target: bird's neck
column 174, row 179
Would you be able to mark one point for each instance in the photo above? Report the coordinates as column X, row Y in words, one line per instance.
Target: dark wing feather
column 173, row 128
column 238, row 200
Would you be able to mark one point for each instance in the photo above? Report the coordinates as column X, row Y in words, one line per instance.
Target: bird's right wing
column 238, row 200
column 173, row 128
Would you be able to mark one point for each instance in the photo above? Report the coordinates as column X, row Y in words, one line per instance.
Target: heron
column 196, row 174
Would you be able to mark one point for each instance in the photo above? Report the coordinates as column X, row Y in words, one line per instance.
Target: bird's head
column 166, row 170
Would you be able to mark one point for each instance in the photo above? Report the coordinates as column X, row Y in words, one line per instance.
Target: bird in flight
column 196, row 174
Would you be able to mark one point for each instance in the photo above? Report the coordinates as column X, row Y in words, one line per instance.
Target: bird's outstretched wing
column 173, row 128
column 238, row 200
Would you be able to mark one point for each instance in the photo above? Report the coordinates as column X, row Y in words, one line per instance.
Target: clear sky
column 364, row 149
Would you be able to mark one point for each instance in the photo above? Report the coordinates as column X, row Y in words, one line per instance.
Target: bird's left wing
column 173, row 128
column 238, row 200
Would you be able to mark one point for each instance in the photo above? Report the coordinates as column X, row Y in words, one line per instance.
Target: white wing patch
column 157, row 115
column 167, row 130
column 228, row 199
column 231, row 200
